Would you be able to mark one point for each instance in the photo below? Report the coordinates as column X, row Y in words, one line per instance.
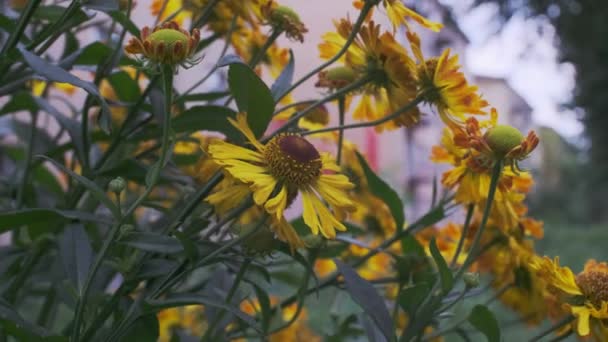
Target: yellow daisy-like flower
column 399, row 15
column 472, row 172
column 280, row 169
column 586, row 294
column 381, row 60
column 445, row 85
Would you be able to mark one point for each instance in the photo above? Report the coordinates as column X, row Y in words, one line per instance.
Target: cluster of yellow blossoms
column 389, row 81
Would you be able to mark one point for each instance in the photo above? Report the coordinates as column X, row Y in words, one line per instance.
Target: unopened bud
column 117, row 185
column 126, row 229
column 471, row 280
column 503, row 138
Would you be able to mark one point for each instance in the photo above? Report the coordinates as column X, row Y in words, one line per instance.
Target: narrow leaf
column 55, row 73
column 76, row 254
column 20, row 327
column 101, row 5
column 70, row 125
column 446, row 276
column 383, row 191
column 364, row 294
column 252, row 96
column 125, row 87
column 151, row 242
column 95, row 190
column 484, row 321
column 14, row 219
column 122, row 18
column 193, row 299
column 283, row 82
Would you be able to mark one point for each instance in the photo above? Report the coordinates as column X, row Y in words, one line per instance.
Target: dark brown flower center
column 594, row 285
column 293, row 159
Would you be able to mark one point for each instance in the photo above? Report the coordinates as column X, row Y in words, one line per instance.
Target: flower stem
column 463, row 236
column 565, row 321
column 484, row 220
column 391, row 116
column 296, row 117
column 341, row 105
column 113, row 234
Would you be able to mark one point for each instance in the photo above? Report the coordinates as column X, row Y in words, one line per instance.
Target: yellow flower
column 399, row 15
column 472, row 168
column 445, row 85
column 508, row 261
column 280, row 169
column 188, row 318
column 384, row 63
column 586, row 294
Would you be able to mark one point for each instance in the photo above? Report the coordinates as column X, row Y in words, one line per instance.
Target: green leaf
column 152, row 268
column 188, row 244
column 264, row 301
column 57, row 74
column 284, row 80
column 101, row 5
column 409, row 245
column 19, row 101
column 152, row 305
column 15, row 219
column 364, row 294
column 53, row 13
column 484, row 321
column 151, row 242
column 207, row 118
column 125, row 87
column 76, row 254
column 97, row 52
column 95, row 190
column 70, row 125
column 144, row 329
column 122, row 18
column 383, row 191
column 14, row 325
column 412, row 297
column 252, row 96
column 446, row 276
column 199, row 97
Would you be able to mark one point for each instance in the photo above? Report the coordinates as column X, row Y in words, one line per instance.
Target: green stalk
column 210, row 333
column 465, row 231
column 341, row 105
column 28, row 160
column 24, row 19
column 81, row 304
column 484, row 220
column 296, row 117
column 372, row 123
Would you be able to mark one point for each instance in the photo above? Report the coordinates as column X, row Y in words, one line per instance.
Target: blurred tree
column 581, row 27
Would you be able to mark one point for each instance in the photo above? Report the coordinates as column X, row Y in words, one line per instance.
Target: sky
column 528, row 60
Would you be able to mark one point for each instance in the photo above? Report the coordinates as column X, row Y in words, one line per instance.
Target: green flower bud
column 126, row 229
column 503, row 138
column 471, row 280
column 337, row 77
column 282, row 13
column 117, row 185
